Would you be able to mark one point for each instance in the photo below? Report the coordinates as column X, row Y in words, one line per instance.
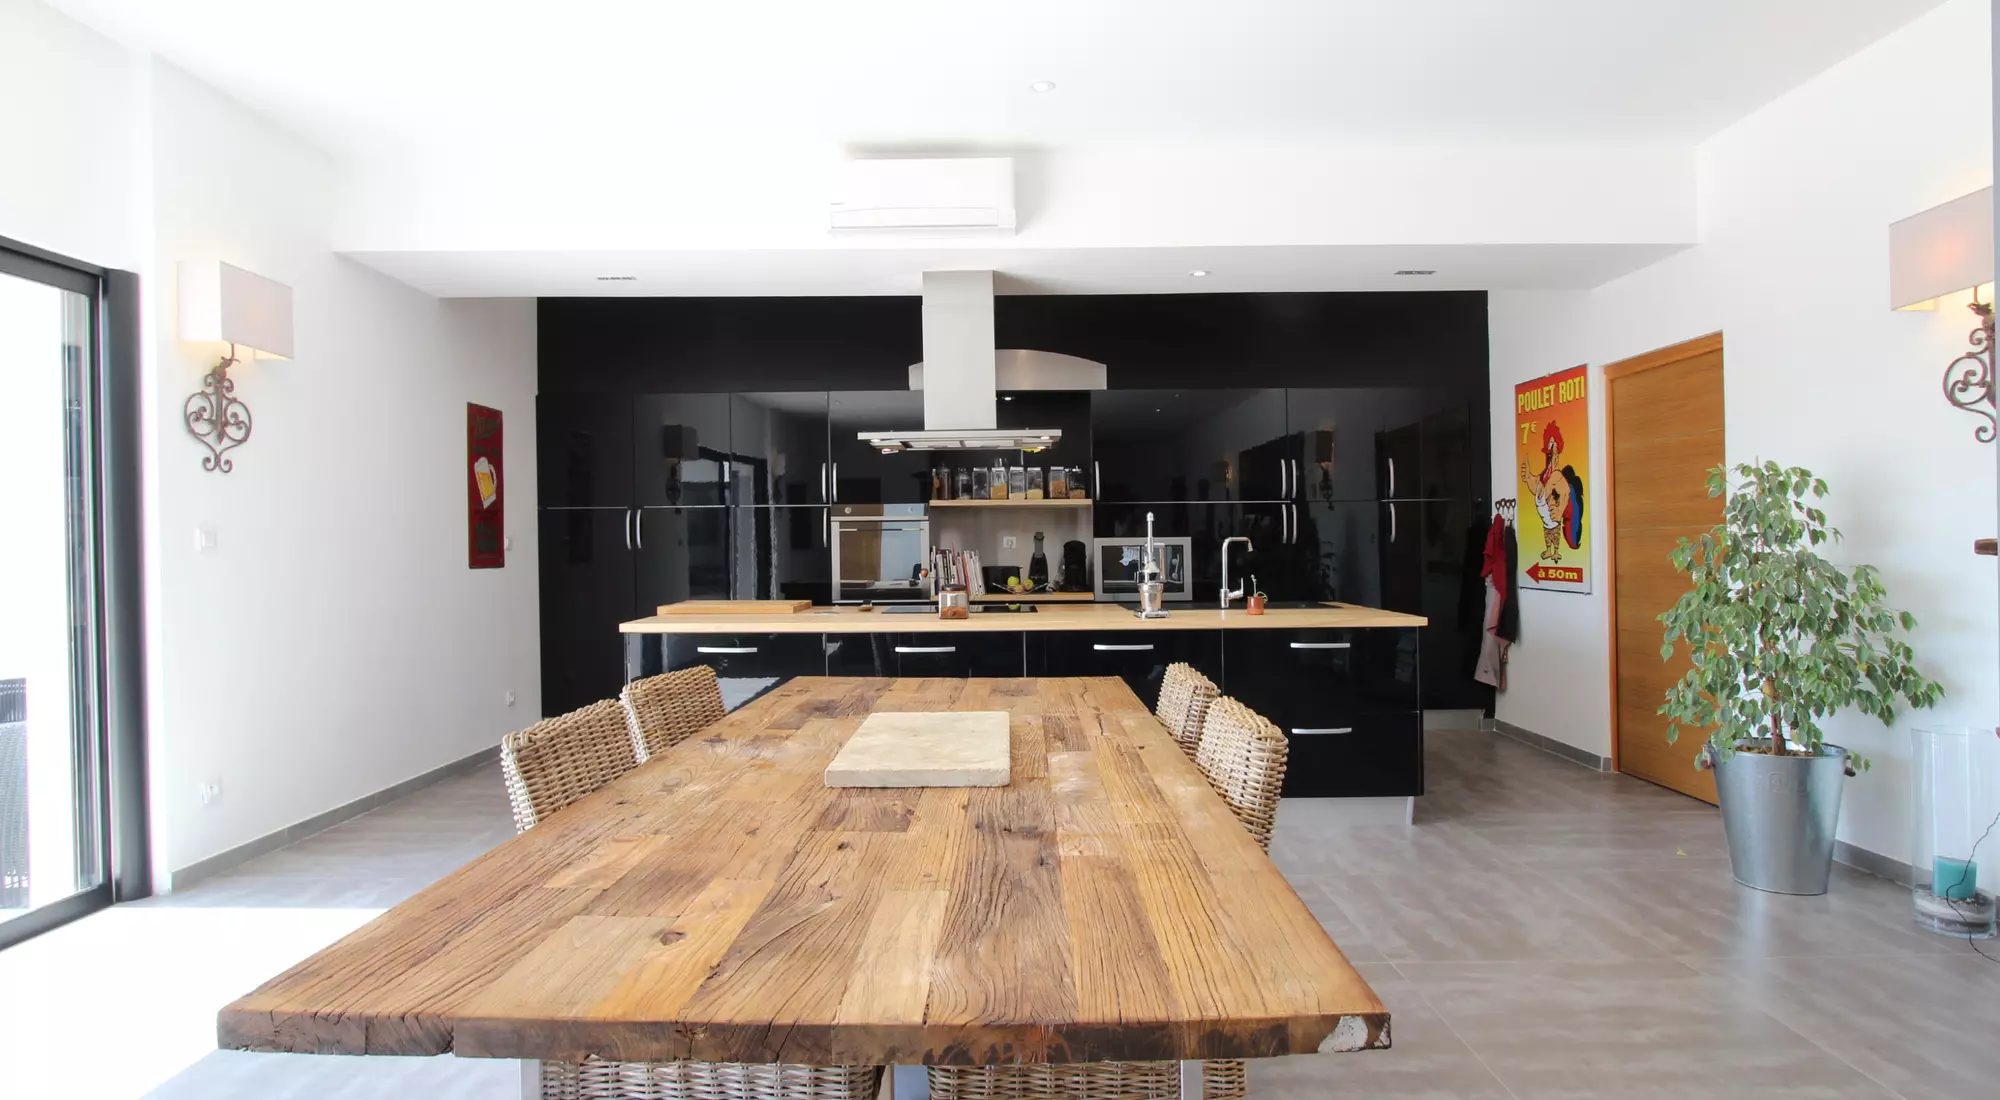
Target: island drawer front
column 748, row 656
column 931, row 653
column 1320, row 678
column 1372, row 755
column 1140, row 658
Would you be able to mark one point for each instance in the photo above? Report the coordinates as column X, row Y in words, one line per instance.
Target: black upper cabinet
column 583, row 451
column 587, row 589
column 1454, row 450
column 780, row 554
column 1170, row 445
column 681, row 554
column 862, row 475
column 1337, row 553
column 1067, row 411
column 1354, row 444
column 680, row 443
column 778, row 441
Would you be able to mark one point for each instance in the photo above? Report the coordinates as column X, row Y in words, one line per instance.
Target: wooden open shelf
column 1064, row 502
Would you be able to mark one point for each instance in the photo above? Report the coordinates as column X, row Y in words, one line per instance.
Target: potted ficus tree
column 1780, row 638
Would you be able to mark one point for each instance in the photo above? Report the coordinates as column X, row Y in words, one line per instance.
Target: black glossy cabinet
column 1187, row 445
column 1339, row 695
column 1139, row 657
column 1354, row 444
column 583, row 451
column 680, row 554
column 588, row 587
column 747, row 665
column 780, row 553
column 860, row 474
column 680, row 449
column 927, row 653
column 778, row 441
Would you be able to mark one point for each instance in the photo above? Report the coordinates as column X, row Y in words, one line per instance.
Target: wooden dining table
column 721, row 903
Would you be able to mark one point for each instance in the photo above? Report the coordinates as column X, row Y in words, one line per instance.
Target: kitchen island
column 1341, row 680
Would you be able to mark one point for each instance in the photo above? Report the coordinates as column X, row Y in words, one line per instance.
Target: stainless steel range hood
column 962, row 374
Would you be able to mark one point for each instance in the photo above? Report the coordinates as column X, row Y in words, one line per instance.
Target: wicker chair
column 1243, row 756
column 1084, row 1081
column 665, row 710
column 1184, row 698
column 600, row 1080
column 559, row 760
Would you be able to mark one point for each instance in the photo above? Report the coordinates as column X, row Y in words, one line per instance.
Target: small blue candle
column 1955, row 879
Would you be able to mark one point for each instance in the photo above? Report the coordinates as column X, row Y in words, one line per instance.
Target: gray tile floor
column 1543, row 931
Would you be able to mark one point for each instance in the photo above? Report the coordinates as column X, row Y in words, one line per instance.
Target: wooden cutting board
column 735, row 607
column 967, row 748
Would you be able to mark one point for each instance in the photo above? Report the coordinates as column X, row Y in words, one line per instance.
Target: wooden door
column 1664, row 410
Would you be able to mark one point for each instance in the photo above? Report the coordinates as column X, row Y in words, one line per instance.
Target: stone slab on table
column 925, row 749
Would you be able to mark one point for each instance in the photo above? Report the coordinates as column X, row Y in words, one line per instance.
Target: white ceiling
column 372, row 76
column 436, row 97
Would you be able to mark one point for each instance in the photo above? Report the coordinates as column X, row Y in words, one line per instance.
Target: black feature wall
column 1379, row 400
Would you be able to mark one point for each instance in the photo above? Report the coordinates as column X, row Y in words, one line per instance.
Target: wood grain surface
column 720, row 903
column 1049, row 616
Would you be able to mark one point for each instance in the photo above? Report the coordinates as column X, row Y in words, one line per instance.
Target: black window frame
column 112, row 690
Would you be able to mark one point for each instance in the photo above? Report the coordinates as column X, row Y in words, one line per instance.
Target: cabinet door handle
column 639, row 527
column 1392, row 519
column 836, row 481
column 1392, row 475
column 1323, row 730
column 1295, row 478
column 1096, row 480
column 1295, row 520
column 927, row 649
column 1282, row 471
column 822, row 484
column 1322, row 645
column 725, row 649
column 1103, row 648
column 628, row 528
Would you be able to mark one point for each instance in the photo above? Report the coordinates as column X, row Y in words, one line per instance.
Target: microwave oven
column 1116, row 564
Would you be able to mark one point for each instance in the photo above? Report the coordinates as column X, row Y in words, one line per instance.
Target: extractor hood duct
column 962, row 373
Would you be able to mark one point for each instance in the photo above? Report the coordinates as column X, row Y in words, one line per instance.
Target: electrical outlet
column 208, row 791
column 205, row 539
column 510, row 698
column 1009, row 542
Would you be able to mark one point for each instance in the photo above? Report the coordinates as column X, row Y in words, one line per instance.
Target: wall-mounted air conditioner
column 925, row 197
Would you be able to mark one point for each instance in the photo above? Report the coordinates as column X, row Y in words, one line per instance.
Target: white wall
column 334, row 642
column 1794, row 207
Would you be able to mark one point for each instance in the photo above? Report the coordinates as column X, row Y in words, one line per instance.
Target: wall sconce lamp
column 222, row 303
column 1945, row 250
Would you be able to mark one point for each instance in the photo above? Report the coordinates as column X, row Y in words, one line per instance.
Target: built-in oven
column 879, row 553
column 1118, row 561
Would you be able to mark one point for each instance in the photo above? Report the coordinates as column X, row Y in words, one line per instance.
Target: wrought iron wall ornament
column 216, row 418
column 1968, row 381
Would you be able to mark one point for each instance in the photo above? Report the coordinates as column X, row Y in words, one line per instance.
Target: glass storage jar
column 1037, row 482
column 1955, row 793
column 999, row 481
column 1017, row 483
column 1058, row 482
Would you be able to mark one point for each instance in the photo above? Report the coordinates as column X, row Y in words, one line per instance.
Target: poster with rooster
column 486, row 531
column 1552, row 444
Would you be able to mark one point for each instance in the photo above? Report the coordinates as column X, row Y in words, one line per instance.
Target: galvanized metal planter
column 1780, row 813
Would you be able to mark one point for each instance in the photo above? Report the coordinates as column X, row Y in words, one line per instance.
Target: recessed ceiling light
column 1042, row 86
column 1006, row 397
column 1199, row 273
column 1417, row 271
column 617, row 278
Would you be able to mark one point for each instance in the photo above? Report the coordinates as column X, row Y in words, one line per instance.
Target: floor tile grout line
column 1469, row 1048
column 1805, row 994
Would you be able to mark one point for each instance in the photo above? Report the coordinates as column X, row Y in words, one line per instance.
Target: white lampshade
column 1944, row 250
column 223, row 302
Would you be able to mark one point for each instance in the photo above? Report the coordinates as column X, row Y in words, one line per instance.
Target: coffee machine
column 1075, row 574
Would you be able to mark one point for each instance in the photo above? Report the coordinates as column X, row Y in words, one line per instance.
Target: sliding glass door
column 55, row 798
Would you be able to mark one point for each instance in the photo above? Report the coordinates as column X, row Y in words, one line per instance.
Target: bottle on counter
column 1038, row 567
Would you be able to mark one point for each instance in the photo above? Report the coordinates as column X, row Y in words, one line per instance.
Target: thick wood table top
column 720, row 903
column 1049, row 616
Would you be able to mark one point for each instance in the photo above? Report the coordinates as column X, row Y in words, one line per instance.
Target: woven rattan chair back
column 1184, row 698
column 600, row 1080
column 1084, row 1081
column 559, row 760
column 667, row 709
column 1243, row 757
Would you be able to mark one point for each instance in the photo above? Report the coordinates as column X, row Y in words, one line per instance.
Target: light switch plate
column 206, row 538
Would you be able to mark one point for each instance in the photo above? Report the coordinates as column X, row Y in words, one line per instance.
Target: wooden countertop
column 721, row 903
column 855, row 620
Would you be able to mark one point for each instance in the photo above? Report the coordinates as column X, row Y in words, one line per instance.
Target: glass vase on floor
column 1955, row 795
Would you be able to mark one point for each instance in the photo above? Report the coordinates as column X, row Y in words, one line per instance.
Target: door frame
column 115, row 691
column 1625, row 368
